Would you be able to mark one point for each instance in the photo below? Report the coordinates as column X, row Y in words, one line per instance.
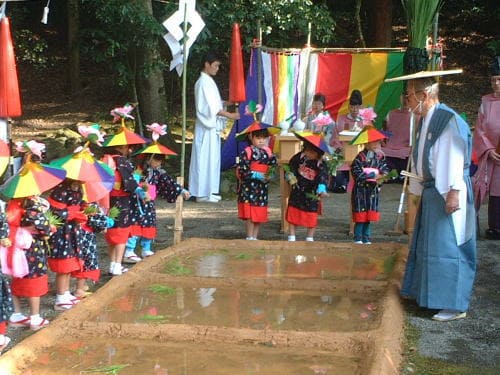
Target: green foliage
column 161, row 289
column 283, row 23
column 118, row 29
column 176, row 268
column 31, row 48
column 419, row 18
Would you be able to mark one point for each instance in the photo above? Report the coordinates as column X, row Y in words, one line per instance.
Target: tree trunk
column 150, row 83
column 379, row 23
column 359, row 28
column 74, row 49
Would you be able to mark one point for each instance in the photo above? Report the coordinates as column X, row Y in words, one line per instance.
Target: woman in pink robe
column 487, row 147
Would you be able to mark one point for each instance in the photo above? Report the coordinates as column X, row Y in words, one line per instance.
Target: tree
column 379, row 21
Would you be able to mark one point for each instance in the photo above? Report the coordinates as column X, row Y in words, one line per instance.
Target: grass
column 242, row 256
column 159, row 319
column 389, row 263
column 161, row 289
column 109, row 370
column 176, row 268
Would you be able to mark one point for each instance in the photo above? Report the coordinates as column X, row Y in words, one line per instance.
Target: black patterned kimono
column 66, row 203
column 303, row 203
column 365, row 194
column 252, row 192
column 6, row 307
column 143, row 211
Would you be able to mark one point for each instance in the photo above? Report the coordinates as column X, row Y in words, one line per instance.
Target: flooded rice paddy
column 231, row 307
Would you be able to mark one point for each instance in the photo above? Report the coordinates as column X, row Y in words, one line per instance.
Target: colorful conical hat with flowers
column 368, row 134
column 155, row 147
column 314, row 139
column 252, row 109
column 123, row 136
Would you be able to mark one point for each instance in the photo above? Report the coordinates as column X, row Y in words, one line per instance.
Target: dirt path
column 474, row 341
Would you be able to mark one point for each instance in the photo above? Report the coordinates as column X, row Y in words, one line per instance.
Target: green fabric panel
column 388, row 94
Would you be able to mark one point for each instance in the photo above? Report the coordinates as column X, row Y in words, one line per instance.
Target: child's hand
column 257, row 176
column 185, row 194
column 290, row 178
column 5, row 242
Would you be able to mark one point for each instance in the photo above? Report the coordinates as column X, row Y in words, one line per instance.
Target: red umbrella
column 237, row 92
column 10, row 101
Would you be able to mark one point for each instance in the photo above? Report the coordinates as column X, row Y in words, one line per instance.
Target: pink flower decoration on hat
column 368, row 115
column 34, row 147
column 122, row 112
column 92, row 133
column 322, row 119
column 157, row 130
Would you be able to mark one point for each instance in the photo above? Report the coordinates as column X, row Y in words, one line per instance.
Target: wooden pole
column 184, row 80
column 179, row 203
column 259, row 67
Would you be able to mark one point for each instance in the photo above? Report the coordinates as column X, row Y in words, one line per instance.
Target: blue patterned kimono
column 439, row 273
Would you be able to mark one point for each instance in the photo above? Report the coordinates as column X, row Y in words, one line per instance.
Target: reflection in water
column 205, row 296
column 211, row 265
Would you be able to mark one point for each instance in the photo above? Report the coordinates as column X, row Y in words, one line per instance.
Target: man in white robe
column 204, row 168
column 442, row 259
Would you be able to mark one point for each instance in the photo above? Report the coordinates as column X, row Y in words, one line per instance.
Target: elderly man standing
column 442, row 259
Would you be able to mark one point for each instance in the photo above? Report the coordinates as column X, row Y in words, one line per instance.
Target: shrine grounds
column 469, row 346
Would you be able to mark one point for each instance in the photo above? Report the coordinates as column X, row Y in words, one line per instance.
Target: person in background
column 96, row 222
column 204, row 167
column 367, row 168
column 486, row 145
column 125, row 187
column 397, row 147
column 160, row 184
column 6, row 306
column 29, row 215
column 441, row 262
column 308, row 178
column 66, row 243
column 351, row 121
column 254, row 170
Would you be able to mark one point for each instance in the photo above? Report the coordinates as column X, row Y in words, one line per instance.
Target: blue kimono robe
column 439, row 273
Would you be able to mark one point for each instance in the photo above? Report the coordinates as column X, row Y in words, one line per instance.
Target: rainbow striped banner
column 288, row 80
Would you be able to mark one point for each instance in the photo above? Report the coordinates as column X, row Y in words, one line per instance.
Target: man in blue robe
column 442, row 258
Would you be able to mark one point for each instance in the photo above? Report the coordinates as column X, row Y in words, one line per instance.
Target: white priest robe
column 204, row 168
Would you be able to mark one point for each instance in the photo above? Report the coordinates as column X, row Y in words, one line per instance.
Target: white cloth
column 204, row 168
column 447, row 154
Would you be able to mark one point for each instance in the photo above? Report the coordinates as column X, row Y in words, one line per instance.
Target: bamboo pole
column 259, row 67
column 179, row 203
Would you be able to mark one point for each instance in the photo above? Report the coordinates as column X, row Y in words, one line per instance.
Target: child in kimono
column 143, row 210
column 255, row 163
column 66, row 243
column 29, row 215
column 96, row 222
column 308, row 178
column 5, row 292
column 367, row 168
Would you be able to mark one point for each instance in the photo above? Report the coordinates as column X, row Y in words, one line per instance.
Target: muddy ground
column 474, row 341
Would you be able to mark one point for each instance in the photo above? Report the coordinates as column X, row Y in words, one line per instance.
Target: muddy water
column 262, row 264
column 143, row 358
column 240, row 308
column 223, row 307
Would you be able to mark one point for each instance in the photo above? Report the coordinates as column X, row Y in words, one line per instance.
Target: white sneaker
column 216, row 197
column 291, row 238
column 449, row 315
column 131, row 258
column 147, row 253
column 207, row 200
column 309, row 239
